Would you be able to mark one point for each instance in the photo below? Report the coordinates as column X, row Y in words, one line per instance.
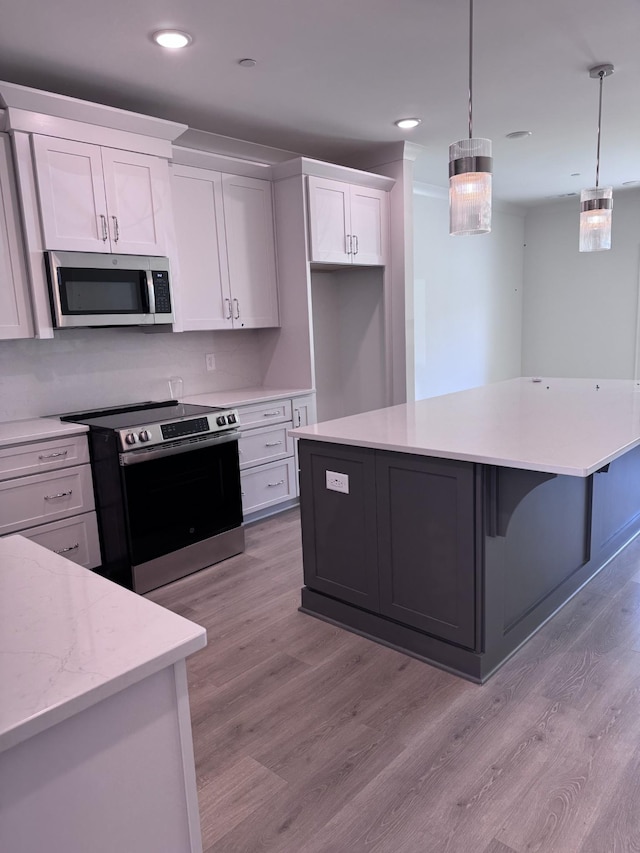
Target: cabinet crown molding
column 320, row 169
column 24, row 100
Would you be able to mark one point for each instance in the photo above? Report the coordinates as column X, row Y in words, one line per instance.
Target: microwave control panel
column 161, row 291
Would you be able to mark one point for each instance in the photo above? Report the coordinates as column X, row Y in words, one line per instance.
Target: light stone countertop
column 69, row 639
column 36, row 429
column 560, row 426
column 245, row 396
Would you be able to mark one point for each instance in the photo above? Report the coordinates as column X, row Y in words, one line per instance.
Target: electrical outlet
column 337, row 482
column 210, row 360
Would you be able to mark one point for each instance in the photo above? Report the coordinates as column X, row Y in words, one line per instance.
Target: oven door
column 181, row 495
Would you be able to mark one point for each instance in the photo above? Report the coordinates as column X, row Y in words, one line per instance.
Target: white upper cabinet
column 347, row 223
column 95, row 199
column 226, row 250
column 15, row 310
column 248, row 217
column 203, row 289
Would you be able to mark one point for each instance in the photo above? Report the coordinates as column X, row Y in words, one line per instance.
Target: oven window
column 103, row 291
column 177, row 500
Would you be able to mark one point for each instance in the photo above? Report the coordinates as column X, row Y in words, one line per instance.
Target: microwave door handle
column 151, row 293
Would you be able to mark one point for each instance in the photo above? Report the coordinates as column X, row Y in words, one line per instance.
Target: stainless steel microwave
column 93, row 289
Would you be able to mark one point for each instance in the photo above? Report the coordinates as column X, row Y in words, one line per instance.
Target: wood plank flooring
column 309, row 739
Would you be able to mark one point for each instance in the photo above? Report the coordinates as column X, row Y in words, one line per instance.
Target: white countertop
column 244, row 396
column 36, row 429
column 69, row 639
column 561, row 426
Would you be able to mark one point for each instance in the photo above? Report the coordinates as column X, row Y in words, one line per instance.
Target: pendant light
column 470, row 166
column 596, row 204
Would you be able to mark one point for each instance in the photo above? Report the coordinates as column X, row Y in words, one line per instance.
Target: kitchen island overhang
column 468, row 519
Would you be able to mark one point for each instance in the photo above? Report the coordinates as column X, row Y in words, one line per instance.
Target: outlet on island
column 210, row 361
column 337, row 482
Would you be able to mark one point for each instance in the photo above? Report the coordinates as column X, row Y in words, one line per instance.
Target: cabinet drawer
column 25, row 459
column 268, row 485
column 264, row 445
column 75, row 538
column 32, row 500
column 265, row 413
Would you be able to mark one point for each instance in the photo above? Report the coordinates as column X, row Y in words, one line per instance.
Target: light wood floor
column 309, row 739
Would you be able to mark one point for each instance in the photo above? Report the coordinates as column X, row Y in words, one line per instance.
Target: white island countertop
column 69, row 639
column 559, row 426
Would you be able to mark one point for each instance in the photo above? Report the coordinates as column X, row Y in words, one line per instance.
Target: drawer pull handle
column 279, row 483
column 273, row 443
column 271, row 414
column 70, row 548
column 53, row 455
column 59, row 495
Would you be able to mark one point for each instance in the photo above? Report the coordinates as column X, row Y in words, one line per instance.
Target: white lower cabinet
column 76, row 538
column 46, row 494
column 268, row 454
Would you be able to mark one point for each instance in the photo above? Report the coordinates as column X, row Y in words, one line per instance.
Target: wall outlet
column 210, row 361
column 337, row 482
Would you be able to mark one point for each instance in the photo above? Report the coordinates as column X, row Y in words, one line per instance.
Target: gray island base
column 452, row 561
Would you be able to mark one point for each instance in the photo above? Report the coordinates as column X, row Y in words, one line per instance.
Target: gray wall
column 467, row 298
column 580, row 312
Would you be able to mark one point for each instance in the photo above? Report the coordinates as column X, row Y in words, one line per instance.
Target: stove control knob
column 144, row 435
column 231, row 418
column 221, row 420
column 130, row 438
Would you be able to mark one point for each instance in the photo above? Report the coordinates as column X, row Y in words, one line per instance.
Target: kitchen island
column 95, row 734
column 452, row 528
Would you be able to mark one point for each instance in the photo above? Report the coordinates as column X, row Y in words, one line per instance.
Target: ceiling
column 333, row 75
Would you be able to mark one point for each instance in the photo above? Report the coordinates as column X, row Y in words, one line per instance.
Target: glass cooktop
column 137, row 414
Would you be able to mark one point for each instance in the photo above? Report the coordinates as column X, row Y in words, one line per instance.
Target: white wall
column 348, row 341
column 467, row 298
column 580, row 309
column 84, row 368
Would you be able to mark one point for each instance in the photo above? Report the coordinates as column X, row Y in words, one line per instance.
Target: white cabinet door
column 137, row 191
column 368, row 224
column 202, row 286
column 73, row 206
column 248, row 216
column 15, row 309
column 329, row 221
column 347, row 223
column 304, row 410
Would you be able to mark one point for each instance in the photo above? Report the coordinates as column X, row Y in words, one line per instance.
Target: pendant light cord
column 471, row 70
column 601, row 75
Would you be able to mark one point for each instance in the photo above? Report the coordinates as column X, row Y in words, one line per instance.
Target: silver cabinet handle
column 355, row 240
column 53, row 455
column 229, row 314
column 241, row 494
column 103, row 227
column 273, row 443
column 271, row 414
column 298, row 418
column 349, row 244
column 116, row 229
column 59, row 495
column 237, row 314
column 279, row 483
column 66, row 550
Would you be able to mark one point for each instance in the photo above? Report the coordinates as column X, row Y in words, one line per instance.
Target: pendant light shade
column 470, row 187
column 596, row 207
column 470, row 165
column 596, row 204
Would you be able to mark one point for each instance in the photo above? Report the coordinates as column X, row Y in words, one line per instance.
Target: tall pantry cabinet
column 332, row 238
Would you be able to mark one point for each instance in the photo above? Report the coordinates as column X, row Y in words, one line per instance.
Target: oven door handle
column 136, row 457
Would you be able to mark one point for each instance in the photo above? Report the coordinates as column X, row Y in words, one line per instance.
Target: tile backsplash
column 82, row 368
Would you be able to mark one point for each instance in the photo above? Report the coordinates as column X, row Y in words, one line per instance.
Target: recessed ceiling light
column 407, row 123
column 173, row 39
column 518, row 134
column 247, row 63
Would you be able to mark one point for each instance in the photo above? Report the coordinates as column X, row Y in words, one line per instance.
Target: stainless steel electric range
column 167, row 485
